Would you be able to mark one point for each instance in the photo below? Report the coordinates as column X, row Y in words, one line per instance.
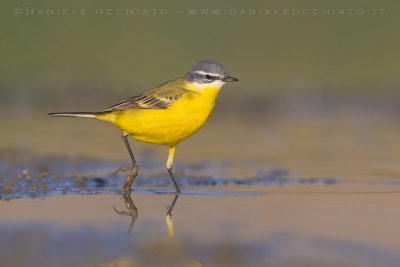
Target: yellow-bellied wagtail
column 167, row 114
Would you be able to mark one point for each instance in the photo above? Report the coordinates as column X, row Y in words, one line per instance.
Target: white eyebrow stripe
column 201, row 72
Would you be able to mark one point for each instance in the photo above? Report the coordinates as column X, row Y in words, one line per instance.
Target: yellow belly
column 166, row 126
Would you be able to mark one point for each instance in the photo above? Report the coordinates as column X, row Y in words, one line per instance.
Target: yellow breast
column 171, row 125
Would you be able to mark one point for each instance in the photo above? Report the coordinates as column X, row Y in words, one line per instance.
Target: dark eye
column 208, row 77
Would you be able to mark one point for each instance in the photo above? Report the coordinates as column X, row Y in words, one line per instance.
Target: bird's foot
column 130, row 169
column 133, row 172
column 129, row 180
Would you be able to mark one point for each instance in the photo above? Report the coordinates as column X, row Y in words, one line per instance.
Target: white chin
column 218, row 83
column 212, row 84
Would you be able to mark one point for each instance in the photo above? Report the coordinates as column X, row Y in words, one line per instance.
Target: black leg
column 133, row 170
column 170, row 161
column 173, row 180
column 125, row 138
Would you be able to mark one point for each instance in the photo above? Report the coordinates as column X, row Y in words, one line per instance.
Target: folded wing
column 159, row 98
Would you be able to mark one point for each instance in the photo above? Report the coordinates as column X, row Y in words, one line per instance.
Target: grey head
column 208, row 71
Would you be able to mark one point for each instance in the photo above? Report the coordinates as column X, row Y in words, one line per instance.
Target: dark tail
column 75, row 114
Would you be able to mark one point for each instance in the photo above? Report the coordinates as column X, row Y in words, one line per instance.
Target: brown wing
column 160, row 97
column 141, row 102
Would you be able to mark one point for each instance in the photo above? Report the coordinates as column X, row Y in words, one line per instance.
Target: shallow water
column 68, row 211
column 297, row 193
column 300, row 226
column 39, row 176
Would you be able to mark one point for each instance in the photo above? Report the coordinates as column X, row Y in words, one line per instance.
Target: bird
column 165, row 115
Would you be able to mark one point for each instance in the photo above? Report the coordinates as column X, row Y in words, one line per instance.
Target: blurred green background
column 88, row 62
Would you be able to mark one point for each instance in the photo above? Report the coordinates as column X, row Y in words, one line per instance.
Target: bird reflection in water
column 132, row 211
column 169, row 217
column 165, row 251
